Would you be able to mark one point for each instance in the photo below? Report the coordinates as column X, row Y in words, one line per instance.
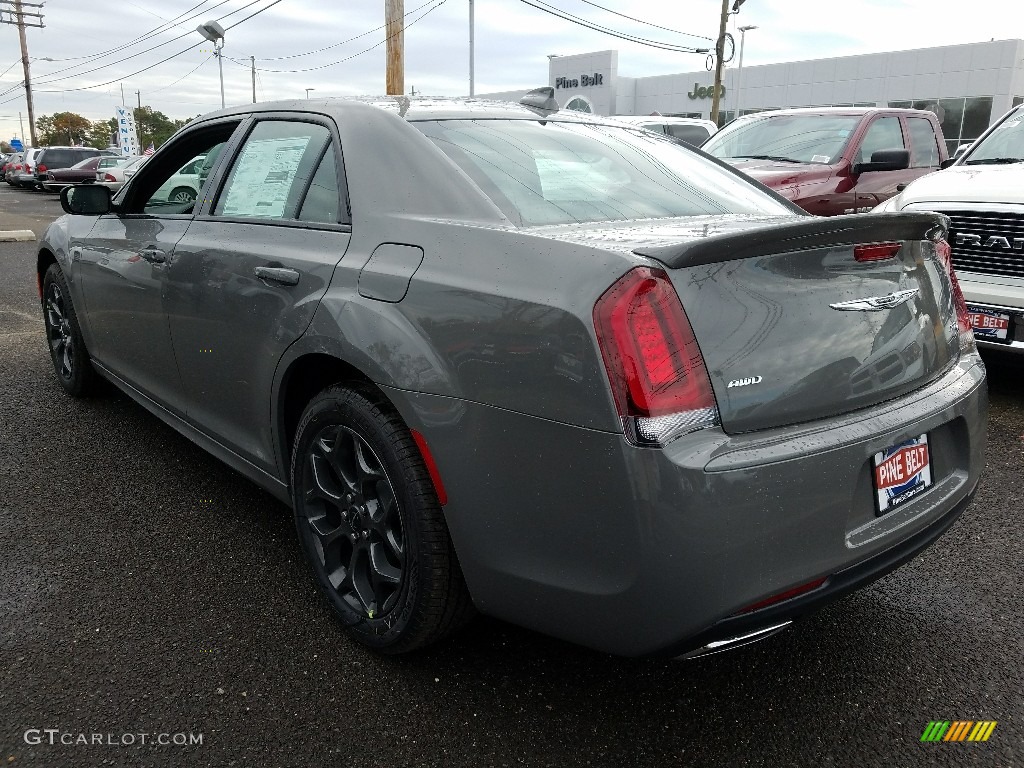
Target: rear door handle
column 153, row 255
column 281, row 275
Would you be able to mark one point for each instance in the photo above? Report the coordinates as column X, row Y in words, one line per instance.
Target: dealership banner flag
column 127, row 137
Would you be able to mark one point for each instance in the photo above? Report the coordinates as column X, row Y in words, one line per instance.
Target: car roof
column 855, row 111
column 415, row 108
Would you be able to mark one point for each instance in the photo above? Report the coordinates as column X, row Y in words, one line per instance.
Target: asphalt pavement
column 146, row 589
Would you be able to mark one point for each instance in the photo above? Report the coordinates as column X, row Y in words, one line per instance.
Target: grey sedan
column 536, row 364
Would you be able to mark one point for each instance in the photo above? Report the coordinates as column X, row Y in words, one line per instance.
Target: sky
column 512, row 40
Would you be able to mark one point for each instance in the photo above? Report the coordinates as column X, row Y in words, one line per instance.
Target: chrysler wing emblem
column 875, row 303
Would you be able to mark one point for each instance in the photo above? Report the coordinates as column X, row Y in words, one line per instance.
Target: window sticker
column 263, row 177
column 819, row 158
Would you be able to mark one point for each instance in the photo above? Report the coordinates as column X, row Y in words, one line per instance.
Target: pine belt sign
column 127, row 138
column 582, row 82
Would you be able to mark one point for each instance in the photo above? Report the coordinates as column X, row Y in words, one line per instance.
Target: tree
column 154, row 127
column 5, row 148
column 62, row 128
column 102, row 132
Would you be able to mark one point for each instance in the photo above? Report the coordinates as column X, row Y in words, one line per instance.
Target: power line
column 149, row 50
column 187, row 74
column 335, row 45
column 162, row 61
column 365, row 50
column 648, row 23
column 145, row 35
column 125, row 77
column 565, row 16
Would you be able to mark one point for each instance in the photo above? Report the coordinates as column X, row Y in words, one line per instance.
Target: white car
column 982, row 192
column 183, row 186
column 692, row 130
column 118, row 175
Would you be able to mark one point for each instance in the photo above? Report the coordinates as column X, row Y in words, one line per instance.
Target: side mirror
column 946, row 163
column 885, row 160
column 87, row 200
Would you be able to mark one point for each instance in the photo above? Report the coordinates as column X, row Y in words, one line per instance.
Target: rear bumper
column 757, row 625
column 633, row 551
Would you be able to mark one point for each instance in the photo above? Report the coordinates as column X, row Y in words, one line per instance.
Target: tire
column 373, row 530
column 182, row 195
column 70, row 358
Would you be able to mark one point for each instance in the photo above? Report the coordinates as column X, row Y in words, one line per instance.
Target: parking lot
column 148, row 589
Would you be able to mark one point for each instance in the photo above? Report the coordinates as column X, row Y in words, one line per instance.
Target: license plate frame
column 998, row 327
column 901, row 473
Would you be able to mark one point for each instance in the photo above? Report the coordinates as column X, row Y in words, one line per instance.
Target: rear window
column 63, row 158
column 549, row 172
column 798, row 138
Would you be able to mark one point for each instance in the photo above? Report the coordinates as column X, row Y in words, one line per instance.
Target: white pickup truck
column 982, row 192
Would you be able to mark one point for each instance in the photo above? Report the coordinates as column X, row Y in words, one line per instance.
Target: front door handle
column 281, row 275
column 153, row 255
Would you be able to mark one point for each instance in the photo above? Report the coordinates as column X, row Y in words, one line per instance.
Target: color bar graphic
column 958, row 730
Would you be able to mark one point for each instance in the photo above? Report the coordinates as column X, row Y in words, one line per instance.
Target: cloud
column 512, row 43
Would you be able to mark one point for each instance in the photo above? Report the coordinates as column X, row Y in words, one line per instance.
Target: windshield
column 550, row 172
column 1004, row 145
column 792, row 138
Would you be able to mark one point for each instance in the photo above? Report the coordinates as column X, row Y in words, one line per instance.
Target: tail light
column 109, row 177
column 876, row 251
column 658, row 377
column 963, row 316
column 41, row 169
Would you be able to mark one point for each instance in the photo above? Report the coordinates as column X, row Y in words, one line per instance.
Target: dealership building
column 967, row 86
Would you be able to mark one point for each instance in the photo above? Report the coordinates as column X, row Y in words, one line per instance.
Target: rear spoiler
column 811, row 232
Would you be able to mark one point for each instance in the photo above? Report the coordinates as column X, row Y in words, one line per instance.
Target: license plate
column 988, row 324
column 902, row 472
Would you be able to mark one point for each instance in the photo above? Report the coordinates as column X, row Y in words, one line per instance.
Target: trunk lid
column 793, row 328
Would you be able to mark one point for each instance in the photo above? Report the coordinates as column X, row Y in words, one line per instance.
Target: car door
column 873, row 187
column 122, row 265
column 244, row 281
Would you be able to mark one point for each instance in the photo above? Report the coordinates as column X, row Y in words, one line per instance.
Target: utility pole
column 394, row 19
column 138, row 122
column 719, row 55
column 14, row 8
column 252, row 63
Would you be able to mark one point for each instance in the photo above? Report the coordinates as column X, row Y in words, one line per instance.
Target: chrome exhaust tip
column 728, row 644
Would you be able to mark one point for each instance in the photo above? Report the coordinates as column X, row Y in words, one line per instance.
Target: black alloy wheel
column 370, row 524
column 64, row 337
column 355, row 520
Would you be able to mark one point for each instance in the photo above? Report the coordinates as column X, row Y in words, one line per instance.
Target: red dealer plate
column 988, row 324
column 901, row 473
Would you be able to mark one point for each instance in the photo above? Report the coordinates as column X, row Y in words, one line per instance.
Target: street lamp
column 739, row 69
column 214, row 32
column 308, row 90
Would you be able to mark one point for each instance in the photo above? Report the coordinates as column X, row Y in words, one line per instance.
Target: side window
column 924, row 149
column 273, row 170
column 168, row 182
column 884, row 133
column 323, row 200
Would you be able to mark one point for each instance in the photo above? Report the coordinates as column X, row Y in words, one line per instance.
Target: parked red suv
column 833, row 160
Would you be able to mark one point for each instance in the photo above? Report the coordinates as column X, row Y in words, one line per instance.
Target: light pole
column 471, row 89
column 308, row 90
column 739, row 69
column 214, row 32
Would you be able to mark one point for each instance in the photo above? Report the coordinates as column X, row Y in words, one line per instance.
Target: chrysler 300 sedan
column 554, row 369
